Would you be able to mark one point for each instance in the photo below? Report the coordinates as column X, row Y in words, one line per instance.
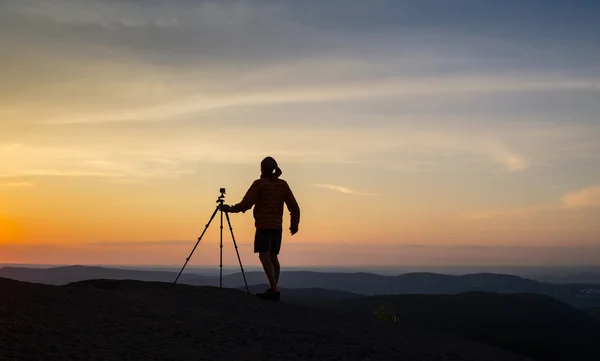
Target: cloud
column 519, row 212
column 449, row 151
column 336, row 91
column 147, row 159
column 500, row 153
column 16, row 185
column 141, row 243
column 584, row 198
column 142, row 62
column 96, row 62
column 156, row 156
column 342, row 189
column 588, row 197
column 99, row 13
column 61, row 161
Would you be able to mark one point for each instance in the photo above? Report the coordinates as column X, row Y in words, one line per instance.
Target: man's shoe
column 269, row 295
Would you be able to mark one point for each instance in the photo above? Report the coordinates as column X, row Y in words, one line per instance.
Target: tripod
column 220, row 201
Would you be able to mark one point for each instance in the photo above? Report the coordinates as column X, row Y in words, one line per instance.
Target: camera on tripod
column 219, row 208
column 221, row 198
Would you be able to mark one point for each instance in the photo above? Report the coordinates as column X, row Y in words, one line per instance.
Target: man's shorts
column 268, row 240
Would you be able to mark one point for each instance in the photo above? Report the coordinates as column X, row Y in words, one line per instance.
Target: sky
column 430, row 132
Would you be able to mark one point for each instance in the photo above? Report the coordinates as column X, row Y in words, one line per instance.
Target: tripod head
column 221, row 198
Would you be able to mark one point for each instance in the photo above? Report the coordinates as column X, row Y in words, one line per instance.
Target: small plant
column 385, row 315
column 382, row 314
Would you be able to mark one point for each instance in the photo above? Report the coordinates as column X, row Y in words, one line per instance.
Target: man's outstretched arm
column 248, row 201
column 292, row 205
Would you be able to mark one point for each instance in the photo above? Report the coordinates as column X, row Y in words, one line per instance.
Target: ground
column 134, row 320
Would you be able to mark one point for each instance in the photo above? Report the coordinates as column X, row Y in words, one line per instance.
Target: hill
column 67, row 274
column 536, row 326
column 135, row 320
column 594, row 312
column 579, row 295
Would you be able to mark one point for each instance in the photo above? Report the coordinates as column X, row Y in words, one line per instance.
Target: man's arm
column 292, row 205
column 248, row 201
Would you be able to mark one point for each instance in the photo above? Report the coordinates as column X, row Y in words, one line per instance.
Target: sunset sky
column 429, row 132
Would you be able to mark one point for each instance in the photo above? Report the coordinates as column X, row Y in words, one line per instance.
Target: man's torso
column 268, row 210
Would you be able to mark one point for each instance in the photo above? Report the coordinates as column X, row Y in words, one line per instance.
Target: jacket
column 268, row 195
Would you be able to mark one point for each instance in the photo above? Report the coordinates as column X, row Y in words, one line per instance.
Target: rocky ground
column 134, row 320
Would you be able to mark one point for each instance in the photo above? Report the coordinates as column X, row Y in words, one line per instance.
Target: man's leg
column 261, row 246
column 275, row 248
column 265, row 259
column 276, row 267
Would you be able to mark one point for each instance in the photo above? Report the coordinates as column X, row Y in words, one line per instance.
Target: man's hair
column 270, row 168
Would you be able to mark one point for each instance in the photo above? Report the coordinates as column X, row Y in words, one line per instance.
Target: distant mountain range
column 583, row 296
column 571, row 277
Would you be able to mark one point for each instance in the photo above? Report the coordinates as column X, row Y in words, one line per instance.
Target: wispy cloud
column 164, row 72
column 29, row 160
column 585, row 198
column 342, row 189
column 500, row 153
column 401, row 148
column 122, row 46
column 431, row 151
column 141, row 243
column 517, row 212
column 140, row 161
column 16, row 185
column 588, row 197
column 204, row 101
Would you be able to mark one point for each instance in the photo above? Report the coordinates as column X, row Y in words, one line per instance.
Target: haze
column 411, row 132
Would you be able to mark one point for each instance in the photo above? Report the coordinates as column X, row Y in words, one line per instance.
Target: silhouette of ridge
column 139, row 320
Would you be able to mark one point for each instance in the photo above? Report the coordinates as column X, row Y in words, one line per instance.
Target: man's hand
column 293, row 230
column 225, row 208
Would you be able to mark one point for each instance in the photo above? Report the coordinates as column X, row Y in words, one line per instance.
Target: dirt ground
column 134, row 320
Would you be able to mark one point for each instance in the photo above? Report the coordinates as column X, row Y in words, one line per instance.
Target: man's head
column 269, row 168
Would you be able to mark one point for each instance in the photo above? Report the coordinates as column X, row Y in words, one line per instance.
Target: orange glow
column 10, row 231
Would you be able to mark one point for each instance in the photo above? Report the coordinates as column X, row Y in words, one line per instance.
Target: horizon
column 582, row 275
column 381, row 269
column 410, row 133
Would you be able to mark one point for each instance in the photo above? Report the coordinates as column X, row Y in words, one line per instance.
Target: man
column 268, row 195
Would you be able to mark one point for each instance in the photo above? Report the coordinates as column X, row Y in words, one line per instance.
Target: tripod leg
column 236, row 251
column 199, row 238
column 221, row 256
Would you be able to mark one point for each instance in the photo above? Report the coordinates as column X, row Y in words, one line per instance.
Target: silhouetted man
column 268, row 194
